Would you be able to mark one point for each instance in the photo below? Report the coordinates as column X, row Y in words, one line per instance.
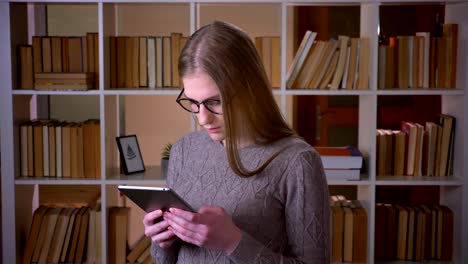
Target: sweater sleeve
column 307, row 218
column 169, row 255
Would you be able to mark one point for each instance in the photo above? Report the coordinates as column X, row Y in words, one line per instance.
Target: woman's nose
column 204, row 116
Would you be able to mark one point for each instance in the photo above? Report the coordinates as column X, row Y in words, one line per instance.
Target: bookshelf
column 119, row 109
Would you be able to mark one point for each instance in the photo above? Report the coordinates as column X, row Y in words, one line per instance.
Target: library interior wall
column 156, row 120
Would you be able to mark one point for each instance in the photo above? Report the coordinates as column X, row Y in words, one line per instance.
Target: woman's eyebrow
column 214, row 97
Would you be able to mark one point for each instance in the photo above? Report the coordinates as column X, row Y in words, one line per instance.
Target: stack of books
column 341, row 163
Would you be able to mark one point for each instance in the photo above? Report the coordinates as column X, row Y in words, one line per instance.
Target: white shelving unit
column 15, row 107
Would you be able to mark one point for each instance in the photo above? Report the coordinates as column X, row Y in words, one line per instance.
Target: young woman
column 259, row 190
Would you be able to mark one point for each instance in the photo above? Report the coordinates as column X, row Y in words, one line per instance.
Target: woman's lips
column 212, row 129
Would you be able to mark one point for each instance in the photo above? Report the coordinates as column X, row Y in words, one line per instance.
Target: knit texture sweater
column 283, row 211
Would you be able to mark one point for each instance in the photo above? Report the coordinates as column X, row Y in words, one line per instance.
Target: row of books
column 269, row 49
column 419, row 61
column 348, row 230
column 50, row 148
column 145, row 61
column 333, row 64
column 58, row 54
column 65, row 235
column 341, row 163
column 140, row 252
column 414, row 233
column 417, row 150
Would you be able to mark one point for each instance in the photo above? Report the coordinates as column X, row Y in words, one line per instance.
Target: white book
column 58, row 151
column 356, row 68
column 427, row 44
column 300, row 57
column 341, row 62
column 159, row 61
column 344, row 174
column 346, row 69
column 151, row 63
column 45, row 149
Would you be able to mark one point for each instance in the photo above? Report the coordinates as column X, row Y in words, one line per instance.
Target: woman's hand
column 157, row 230
column 210, row 228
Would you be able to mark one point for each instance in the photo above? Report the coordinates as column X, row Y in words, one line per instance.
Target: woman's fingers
column 167, row 243
column 187, row 236
column 150, row 218
column 184, row 228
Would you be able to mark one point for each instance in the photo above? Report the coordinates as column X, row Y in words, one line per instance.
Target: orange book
column 26, row 67
column 37, row 53
column 175, row 52
column 56, row 43
column 75, row 54
column 65, row 55
column 36, row 226
column 450, row 32
column 46, row 54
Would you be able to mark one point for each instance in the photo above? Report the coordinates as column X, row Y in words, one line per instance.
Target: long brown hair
column 229, row 57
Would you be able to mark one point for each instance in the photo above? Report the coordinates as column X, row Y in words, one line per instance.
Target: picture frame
column 130, row 155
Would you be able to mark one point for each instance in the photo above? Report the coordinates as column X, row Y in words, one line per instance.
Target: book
column 117, row 247
column 359, row 235
column 56, row 44
column 412, row 133
column 309, row 66
column 46, row 54
column 59, row 237
column 143, row 62
column 151, row 62
column 24, row 149
column 343, row 174
column 167, row 62
column 381, row 226
column 399, row 153
column 276, row 62
column 337, row 222
column 300, row 57
column 140, row 246
column 450, row 33
column 402, row 232
column 75, row 54
column 340, row 157
column 34, row 230
column 447, row 123
column 26, row 67
column 38, row 149
column 37, row 53
column 364, row 64
column 82, row 237
column 340, row 68
column 348, row 234
column 68, row 235
column 391, row 231
column 175, row 52
column 53, row 215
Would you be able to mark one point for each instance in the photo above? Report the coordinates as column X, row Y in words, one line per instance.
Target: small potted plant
column 166, row 151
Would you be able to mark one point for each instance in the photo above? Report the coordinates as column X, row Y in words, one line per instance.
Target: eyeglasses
column 193, row 106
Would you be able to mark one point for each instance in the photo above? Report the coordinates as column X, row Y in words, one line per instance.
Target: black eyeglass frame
column 204, row 102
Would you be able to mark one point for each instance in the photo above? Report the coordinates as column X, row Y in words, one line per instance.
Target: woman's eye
column 213, row 102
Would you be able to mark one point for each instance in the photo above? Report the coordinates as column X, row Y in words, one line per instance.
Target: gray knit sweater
column 283, row 212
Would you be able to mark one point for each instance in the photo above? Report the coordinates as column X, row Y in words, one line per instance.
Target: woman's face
column 201, row 87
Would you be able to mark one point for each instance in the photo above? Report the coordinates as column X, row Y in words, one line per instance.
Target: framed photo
column 130, row 155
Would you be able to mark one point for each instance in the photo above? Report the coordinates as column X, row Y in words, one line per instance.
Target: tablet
column 153, row 198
